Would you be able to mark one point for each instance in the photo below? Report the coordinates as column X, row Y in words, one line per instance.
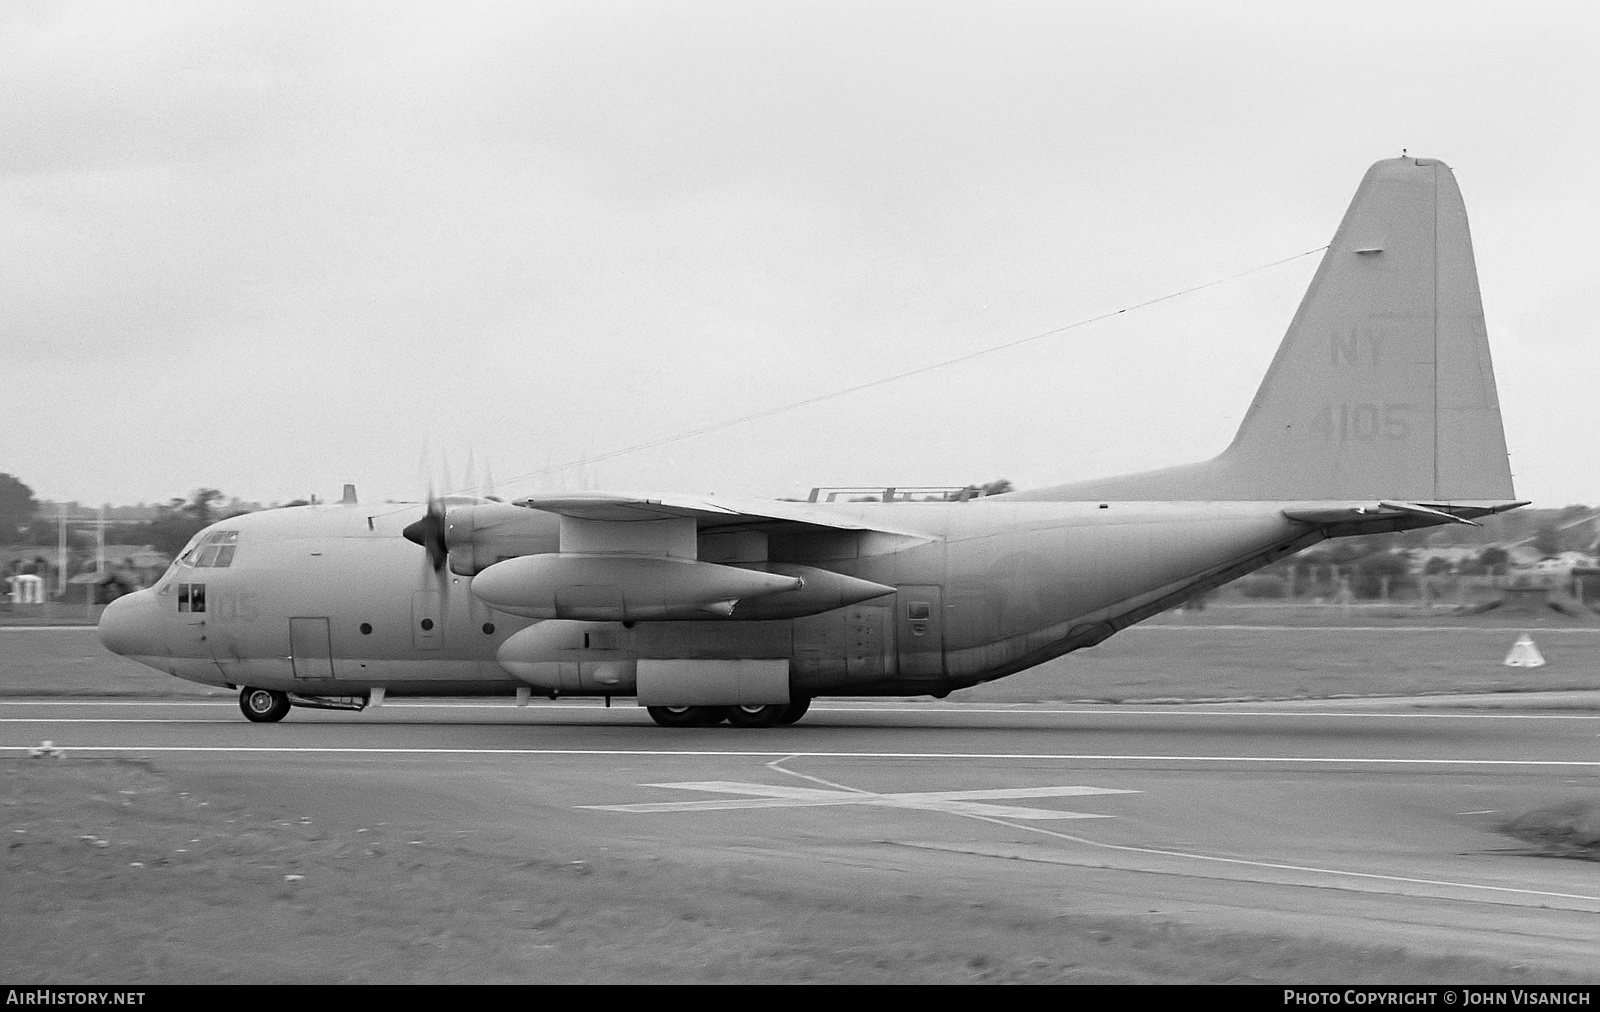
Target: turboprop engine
column 477, row 537
column 473, row 538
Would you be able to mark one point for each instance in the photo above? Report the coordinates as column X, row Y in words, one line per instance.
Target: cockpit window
column 214, row 551
column 186, row 557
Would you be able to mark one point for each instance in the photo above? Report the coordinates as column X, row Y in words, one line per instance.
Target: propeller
column 429, row 531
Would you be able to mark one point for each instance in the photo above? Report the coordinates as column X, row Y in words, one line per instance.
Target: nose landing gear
column 263, row 706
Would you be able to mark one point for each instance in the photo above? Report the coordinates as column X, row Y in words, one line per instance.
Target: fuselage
column 333, row 601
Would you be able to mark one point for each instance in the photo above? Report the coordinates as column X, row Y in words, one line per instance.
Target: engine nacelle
column 477, row 537
column 621, row 588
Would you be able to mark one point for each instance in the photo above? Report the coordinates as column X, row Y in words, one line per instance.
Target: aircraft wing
column 752, row 514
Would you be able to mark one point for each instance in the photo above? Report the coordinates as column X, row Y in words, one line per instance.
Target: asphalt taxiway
column 1373, row 822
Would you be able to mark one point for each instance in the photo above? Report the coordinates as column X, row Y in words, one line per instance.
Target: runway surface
column 1361, row 823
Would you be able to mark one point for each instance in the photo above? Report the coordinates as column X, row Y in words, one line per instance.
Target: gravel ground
column 118, row 872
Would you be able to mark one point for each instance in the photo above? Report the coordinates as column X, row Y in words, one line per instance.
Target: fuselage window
column 183, row 597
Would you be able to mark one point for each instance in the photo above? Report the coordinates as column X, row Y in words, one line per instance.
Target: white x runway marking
column 955, row 802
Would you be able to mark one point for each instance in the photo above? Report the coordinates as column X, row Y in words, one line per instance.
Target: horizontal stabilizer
column 1348, row 515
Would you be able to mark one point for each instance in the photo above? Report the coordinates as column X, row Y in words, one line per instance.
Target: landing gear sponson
column 738, row 716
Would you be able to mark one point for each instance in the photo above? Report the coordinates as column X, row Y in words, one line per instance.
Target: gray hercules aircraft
column 1379, row 413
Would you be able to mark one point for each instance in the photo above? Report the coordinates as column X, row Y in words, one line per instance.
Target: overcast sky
column 273, row 248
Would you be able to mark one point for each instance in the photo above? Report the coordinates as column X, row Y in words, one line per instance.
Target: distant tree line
column 17, row 509
column 1381, row 565
column 176, row 521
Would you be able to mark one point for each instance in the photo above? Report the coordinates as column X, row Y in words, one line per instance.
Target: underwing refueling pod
column 1379, row 413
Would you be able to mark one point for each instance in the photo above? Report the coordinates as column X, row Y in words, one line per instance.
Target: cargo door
column 427, row 620
column 310, row 648
column 919, row 631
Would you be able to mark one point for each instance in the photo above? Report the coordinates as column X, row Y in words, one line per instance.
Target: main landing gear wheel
column 263, row 705
column 757, row 716
column 795, row 710
column 686, row 716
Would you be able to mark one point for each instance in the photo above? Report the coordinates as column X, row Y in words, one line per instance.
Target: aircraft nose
column 131, row 625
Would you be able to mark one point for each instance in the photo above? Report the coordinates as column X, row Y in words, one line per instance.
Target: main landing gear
column 739, row 716
column 263, row 705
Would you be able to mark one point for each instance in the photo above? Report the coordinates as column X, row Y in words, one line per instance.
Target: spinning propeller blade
column 429, row 531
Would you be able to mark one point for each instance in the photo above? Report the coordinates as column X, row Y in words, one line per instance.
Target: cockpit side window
column 187, row 556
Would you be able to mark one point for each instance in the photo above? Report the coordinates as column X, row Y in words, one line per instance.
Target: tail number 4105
column 1362, row 422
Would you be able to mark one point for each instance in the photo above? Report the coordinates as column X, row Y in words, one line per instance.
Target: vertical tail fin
column 1382, row 387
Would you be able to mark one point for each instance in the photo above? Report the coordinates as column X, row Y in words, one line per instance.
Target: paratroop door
column 310, row 648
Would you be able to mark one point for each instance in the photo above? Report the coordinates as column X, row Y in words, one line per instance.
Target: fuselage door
column 310, row 648
column 427, row 618
column 919, row 628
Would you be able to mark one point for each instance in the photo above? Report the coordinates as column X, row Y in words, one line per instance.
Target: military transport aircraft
column 1379, row 413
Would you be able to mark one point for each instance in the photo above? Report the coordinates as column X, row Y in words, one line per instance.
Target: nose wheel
column 263, row 705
